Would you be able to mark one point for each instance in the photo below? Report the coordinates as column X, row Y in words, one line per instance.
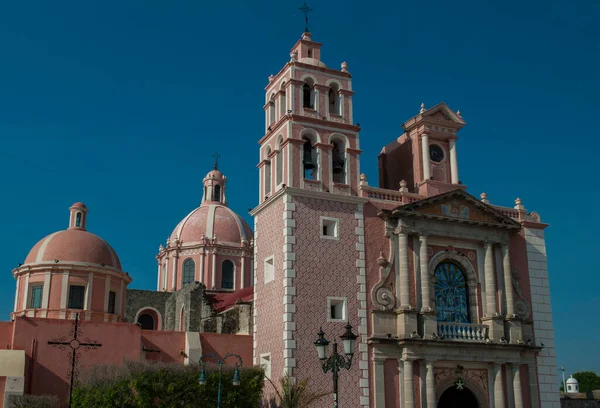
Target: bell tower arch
column 310, row 140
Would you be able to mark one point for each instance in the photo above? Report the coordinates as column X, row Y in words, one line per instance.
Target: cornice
column 70, row 266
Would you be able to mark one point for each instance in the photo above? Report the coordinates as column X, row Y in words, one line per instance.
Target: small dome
column 79, row 204
column 209, row 220
column 74, row 245
column 312, row 61
column 572, row 380
column 214, row 174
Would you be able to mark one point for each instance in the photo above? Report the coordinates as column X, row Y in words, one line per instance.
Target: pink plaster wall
column 6, row 333
column 221, row 344
column 170, row 343
column 391, row 383
column 98, row 293
column 324, row 267
column 269, row 296
column 2, row 387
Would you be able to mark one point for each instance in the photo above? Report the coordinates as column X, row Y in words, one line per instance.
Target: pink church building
column 448, row 293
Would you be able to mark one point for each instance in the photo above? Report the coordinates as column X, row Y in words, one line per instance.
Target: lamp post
column 236, row 374
column 336, row 361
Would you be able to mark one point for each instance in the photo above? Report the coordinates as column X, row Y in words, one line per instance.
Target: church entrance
column 458, row 398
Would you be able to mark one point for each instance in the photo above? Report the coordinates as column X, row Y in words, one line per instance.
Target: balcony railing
column 462, row 331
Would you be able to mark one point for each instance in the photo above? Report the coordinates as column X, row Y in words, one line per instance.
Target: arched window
column 272, row 109
column 338, row 161
column 267, row 170
column 279, row 163
column 217, row 193
column 189, row 269
column 451, row 293
column 309, row 159
column 334, row 99
column 227, row 274
column 78, row 220
column 147, row 322
column 308, row 94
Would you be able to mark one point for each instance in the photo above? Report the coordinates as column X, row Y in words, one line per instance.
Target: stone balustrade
column 462, row 331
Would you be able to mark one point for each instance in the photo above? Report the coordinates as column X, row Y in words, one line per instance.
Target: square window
column 36, row 297
column 76, row 295
column 336, row 309
column 112, row 297
column 329, row 228
column 269, row 270
column 265, row 363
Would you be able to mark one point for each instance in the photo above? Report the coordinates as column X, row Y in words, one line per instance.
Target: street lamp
column 336, row 361
column 236, row 373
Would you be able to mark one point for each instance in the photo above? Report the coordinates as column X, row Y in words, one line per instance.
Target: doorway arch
column 458, row 398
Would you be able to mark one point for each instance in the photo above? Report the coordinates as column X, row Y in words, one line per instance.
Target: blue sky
column 121, row 105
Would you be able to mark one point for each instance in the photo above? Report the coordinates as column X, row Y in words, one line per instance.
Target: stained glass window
column 451, row 294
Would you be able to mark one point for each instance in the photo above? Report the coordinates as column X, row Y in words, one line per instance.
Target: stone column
column 425, row 150
column 430, row 386
column 498, row 387
column 25, row 293
column 87, row 305
column 490, row 280
column 317, row 102
column 379, row 374
column 508, row 288
column 409, row 385
column 174, row 280
column 243, row 271
column 158, row 279
column 425, row 278
column 17, row 295
column 517, row 386
column 202, row 260
column 404, row 271
column 214, row 269
column 341, row 105
column 453, row 162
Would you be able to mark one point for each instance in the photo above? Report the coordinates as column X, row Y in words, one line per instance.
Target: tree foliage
column 588, row 381
column 145, row 384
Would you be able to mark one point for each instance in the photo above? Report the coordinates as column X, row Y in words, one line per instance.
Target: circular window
column 436, row 153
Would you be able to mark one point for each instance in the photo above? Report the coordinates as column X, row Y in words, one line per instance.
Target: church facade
column 448, row 293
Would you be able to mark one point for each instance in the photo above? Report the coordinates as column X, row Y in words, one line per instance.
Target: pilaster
column 498, row 387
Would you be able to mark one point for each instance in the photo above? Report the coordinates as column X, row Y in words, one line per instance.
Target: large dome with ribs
column 74, row 245
column 212, row 219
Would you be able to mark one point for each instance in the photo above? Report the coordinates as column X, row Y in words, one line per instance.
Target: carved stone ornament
column 455, row 209
column 383, row 292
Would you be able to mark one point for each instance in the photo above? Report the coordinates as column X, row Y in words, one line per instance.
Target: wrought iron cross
column 216, row 155
column 74, row 344
column 306, row 9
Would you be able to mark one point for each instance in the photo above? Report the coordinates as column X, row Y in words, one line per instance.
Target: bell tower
column 310, row 141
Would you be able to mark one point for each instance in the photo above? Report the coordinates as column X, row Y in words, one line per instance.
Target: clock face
column 436, row 153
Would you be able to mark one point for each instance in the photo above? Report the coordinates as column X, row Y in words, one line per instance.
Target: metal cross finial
column 216, row 155
column 305, row 9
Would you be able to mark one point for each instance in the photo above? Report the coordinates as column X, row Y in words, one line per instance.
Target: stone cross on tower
column 305, row 9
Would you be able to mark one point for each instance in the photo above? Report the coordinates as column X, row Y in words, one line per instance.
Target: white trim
column 214, row 270
column 288, row 156
column 336, row 299
column 289, row 290
column 363, row 352
column 324, row 127
column 210, row 221
column 311, row 134
column 174, row 275
column 40, row 255
column 137, row 315
column 201, row 268
column 87, row 298
column 17, row 292
column 64, row 293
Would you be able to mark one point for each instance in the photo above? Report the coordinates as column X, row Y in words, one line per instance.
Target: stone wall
column 138, row 299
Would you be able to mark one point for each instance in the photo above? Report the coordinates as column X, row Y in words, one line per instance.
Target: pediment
column 456, row 206
column 441, row 111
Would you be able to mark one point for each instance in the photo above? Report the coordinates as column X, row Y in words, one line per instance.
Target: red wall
column 169, row 343
column 6, row 330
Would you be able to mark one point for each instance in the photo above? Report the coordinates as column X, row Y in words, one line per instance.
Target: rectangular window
column 112, row 297
column 76, row 295
column 329, row 228
column 265, row 363
column 269, row 270
column 36, row 296
column 336, row 309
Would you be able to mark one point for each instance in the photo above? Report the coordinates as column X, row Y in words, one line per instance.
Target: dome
column 312, row 61
column 74, row 245
column 214, row 174
column 209, row 220
column 572, row 380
